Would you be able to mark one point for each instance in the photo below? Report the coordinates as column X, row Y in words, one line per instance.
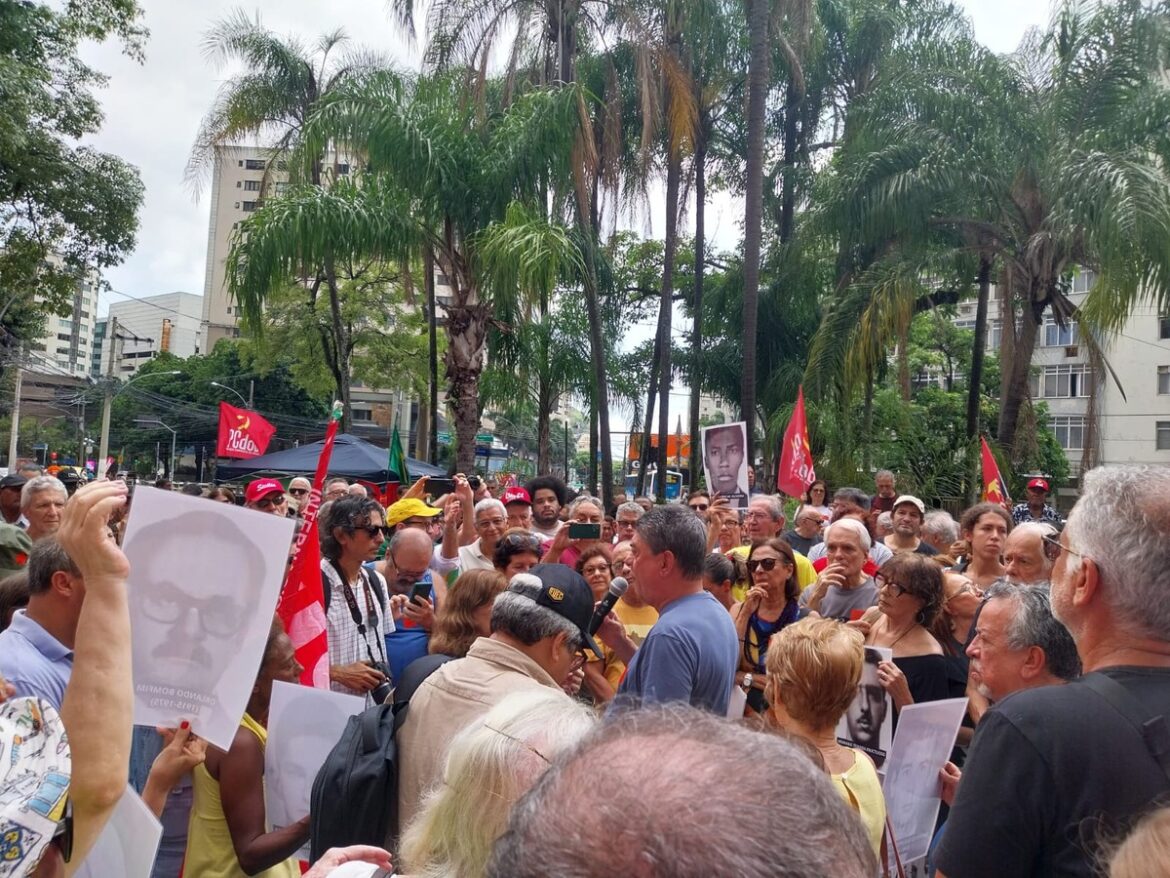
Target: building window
column 1164, row 327
column 363, row 415
column 1059, row 336
column 282, row 165
column 1062, row 382
column 254, row 164
column 252, row 185
column 1084, row 280
column 64, row 351
column 1164, row 379
column 342, row 169
column 1070, row 431
column 248, row 206
column 1162, row 436
column 64, row 336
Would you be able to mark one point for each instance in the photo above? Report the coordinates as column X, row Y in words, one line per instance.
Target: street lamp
column 157, row 422
column 239, row 395
column 104, row 445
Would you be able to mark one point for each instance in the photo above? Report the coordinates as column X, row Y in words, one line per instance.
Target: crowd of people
column 652, row 689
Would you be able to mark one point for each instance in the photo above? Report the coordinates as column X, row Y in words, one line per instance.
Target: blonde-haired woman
column 490, row 765
column 814, row 669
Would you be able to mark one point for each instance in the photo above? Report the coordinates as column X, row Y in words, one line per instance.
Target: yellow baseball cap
column 409, row 507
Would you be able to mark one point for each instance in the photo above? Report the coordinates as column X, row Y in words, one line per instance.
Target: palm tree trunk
column 597, row 349
column 651, row 392
column 1016, row 373
column 593, row 417
column 697, row 304
column 432, row 353
column 467, row 341
column 341, row 345
column 979, row 346
column 788, row 181
column 543, row 391
column 665, row 307
column 758, row 75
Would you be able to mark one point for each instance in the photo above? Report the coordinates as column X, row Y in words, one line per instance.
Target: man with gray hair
column 540, row 627
column 668, row 788
column 41, row 501
column 692, row 651
column 940, row 530
column 491, row 521
column 1018, row 643
column 1030, row 552
column 852, row 503
column 627, row 516
column 1055, row 771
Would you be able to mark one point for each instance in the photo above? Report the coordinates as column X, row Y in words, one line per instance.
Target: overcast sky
column 153, row 110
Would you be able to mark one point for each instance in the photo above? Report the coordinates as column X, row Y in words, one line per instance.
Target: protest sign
column 926, row 734
column 128, row 843
column 868, row 723
column 304, row 724
column 204, row 579
column 725, row 462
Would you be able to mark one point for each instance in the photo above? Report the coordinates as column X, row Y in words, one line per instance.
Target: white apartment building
column 169, row 322
column 1132, row 422
column 68, row 341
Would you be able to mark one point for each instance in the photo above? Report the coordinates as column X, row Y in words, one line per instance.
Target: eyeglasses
column 296, row 492
column 1053, row 547
column 699, row 507
column 269, row 502
column 579, row 659
column 373, row 530
column 217, row 617
column 769, row 564
column 527, row 542
column 967, row 587
column 883, row 582
column 491, row 522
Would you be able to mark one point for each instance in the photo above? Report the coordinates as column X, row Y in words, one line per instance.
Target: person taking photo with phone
column 582, row 531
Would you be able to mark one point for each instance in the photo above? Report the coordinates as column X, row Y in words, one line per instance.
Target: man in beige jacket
column 540, row 627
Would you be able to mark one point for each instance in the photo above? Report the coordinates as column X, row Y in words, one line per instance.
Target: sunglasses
column 269, row 502
column 296, row 492
column 1053, row 548
column 769, row 564
column 373, row 530
column 522, row 541
column 699, row 507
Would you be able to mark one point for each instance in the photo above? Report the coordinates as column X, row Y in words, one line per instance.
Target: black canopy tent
column 353, row 458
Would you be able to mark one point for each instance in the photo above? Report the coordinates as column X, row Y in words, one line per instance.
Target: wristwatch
column 747, row 681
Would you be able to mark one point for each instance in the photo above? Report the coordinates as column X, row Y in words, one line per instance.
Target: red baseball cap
column 1042, row 484
column 516, row 495
column 262, row 488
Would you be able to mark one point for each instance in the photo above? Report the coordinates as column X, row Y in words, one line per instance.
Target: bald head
column 1025, row 561
column 408, row 558
column 647, row 768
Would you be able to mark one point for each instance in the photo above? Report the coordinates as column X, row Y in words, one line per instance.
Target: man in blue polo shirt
column 408, row 558
column 36, row 650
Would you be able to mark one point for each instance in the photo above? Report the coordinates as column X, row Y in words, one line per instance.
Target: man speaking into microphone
column 691, row 653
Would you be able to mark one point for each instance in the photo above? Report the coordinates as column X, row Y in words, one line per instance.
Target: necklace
column 903, row 634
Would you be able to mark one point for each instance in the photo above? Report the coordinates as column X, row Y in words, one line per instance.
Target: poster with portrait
column 204, row 580
column 127, row 844
column 926, row 734
column 304, row 724
column 868, row 723
column 725, row 462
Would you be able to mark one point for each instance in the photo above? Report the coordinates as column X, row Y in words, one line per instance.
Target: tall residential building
column 145, row 327
column 68, row 341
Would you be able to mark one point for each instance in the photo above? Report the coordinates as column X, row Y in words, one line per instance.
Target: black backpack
column 355, row 794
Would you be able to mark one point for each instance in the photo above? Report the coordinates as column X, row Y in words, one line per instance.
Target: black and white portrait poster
column 725, row 462
column 204, row 581
column 868, row 723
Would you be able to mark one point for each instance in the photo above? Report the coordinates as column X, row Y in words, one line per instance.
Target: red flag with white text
column 994, row 487
column 795, row 471
column 242, row 433
column 302, row 600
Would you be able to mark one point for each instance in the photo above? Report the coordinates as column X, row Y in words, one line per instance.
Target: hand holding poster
column 868, row 723
column 926, row 734
column 204, row 579
column 725, row 462
column 304, row 724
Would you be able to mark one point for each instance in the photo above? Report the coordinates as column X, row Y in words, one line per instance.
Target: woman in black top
column 769, row 605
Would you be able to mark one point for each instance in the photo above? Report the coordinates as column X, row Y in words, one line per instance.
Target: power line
column 143, row 301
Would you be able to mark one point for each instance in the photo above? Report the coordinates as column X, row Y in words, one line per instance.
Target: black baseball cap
column 12, row 480
column 565, row 591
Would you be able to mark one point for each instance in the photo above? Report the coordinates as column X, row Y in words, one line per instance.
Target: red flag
column 242, row 433
column 994, row 487
column 302, row 600
column 795, row 471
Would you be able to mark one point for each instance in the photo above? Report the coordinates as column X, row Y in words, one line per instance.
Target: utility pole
column 14, row 433
column 251, row 392
column 111, row 344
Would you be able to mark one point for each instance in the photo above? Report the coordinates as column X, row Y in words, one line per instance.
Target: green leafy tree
column 65, row 209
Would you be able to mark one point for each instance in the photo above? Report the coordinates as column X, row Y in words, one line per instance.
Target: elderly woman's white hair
column 490, row 765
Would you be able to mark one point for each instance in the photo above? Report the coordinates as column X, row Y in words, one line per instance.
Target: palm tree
column 439, row 176
column 1037, row 163
column 281, row 84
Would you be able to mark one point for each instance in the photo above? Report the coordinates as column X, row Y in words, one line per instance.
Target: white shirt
column 346, row 645
column 471, row 557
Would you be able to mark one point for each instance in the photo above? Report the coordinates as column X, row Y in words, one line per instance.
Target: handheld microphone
column 617, row 588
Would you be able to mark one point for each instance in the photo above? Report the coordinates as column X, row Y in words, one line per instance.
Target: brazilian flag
column 397, row 461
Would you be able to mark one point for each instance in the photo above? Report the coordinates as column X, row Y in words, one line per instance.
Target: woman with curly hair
column 910, row 595
column 466, row 613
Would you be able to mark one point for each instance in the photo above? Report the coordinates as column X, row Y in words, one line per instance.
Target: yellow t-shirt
column 210, row 853
column 805, row 574
column 862, row 791
column 638, row 621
